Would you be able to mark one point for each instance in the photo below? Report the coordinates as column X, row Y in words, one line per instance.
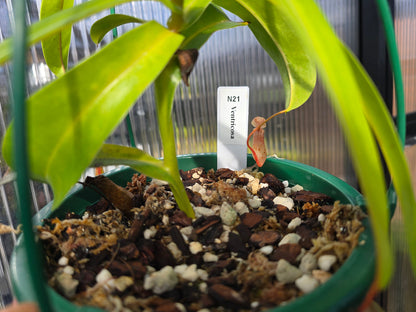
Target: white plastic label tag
column 232, row 127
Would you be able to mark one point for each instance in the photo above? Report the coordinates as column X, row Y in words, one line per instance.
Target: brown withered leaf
column 187, row 60
column 117, row 195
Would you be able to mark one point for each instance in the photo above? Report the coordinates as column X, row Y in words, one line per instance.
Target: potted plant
column 69, row 132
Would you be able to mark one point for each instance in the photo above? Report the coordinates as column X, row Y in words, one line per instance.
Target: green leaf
column 137, row 159
column 70, row 118
column 270, row 23
column 56, row 47
column 54, row 23
column 106, row 24
column 171, row 5
column 148, row 165
column 391, row 147
column 212, row 20
column 351, row 100
column 193, row 9
column 165, row 86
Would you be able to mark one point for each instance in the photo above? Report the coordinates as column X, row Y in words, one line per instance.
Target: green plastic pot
column 343, row 292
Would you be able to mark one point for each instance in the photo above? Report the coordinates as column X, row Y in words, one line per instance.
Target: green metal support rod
column 385, row 14
column 21, row 159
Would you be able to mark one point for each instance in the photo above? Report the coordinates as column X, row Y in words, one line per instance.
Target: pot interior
column 343, row 291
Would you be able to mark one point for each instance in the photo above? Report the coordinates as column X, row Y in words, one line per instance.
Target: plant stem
column 165, row 86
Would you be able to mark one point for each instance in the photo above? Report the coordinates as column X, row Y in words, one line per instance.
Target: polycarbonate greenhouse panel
column 400, row 294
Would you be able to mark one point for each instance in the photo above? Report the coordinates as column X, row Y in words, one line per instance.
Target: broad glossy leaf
column 56, row 47
column 193, row 9
column 212, row 20
column 106, row 24
column 165, row 86
column 349, row 99
column 70, row 118
column 54, row 23
column 270, row 23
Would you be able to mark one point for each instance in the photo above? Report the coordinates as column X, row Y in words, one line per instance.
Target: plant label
column 232, row 127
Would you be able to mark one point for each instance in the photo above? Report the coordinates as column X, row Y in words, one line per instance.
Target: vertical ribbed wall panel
column 405, row 24
column 400, row 294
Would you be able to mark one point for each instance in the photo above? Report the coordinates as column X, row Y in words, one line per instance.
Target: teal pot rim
column 344, row 291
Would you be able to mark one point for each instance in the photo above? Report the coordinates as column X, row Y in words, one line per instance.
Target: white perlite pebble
column 266, row 250
column 117, row 303
column 321, row 276
column 287, row 273
column 285, row 183
column 241, row 208
column 104, row 276
column 288, row 190
column 321, row 217
column 253, row 186
column 301, row 254
column 161, row 281
column 150, row 233
column 325, row 262
column 69, row 270
column 215, row 208
column 297, row 188
column 306, row 283
column 168, row 205
column 66, row 284
column 123, row 282
column 197, row 187
column 159, row 182
column 224, row 237
column 228, row 214
column 209, row 257
column 165, row 219
column 195, row 247
column 173, row 248
column 291, row 238
column 294, row 223
column 179, row 306
column 187, row 231
column 254, row 202
column 203, row 211
column 179, row 269
column 202, row 274
column 248, row 176
column 63, row 261
column 190, row 274
column 308, row 263
column 203, row 287
column 284, row 201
